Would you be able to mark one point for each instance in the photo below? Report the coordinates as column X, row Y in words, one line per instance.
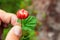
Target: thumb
column 14, row 34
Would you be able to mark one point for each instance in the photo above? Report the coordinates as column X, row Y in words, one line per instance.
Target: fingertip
column 15, row 33
column 17, row 30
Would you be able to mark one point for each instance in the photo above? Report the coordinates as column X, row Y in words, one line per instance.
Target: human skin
column 15, row 32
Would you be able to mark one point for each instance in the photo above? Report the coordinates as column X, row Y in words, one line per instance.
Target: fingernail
column 17, row 30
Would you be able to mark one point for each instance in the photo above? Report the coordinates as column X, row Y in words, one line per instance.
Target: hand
column 6, row 18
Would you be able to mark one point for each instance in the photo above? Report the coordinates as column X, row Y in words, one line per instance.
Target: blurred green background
column 14, row 5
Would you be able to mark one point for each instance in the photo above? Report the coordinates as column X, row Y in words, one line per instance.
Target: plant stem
column 21, row 22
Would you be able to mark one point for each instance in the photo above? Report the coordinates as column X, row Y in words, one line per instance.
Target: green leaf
column 29, row 23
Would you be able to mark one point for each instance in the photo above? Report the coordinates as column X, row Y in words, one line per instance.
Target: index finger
column 4, row 16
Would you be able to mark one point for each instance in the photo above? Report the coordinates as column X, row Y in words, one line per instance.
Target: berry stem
column 21, row 22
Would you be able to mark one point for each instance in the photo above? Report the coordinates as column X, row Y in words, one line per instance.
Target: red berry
column 22, row 14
